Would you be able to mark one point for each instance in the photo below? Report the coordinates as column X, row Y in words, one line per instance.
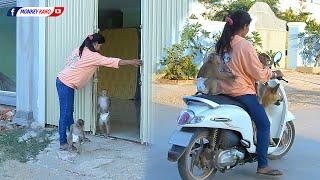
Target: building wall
column 8, row 46
column 28, row 58
column 8, row 55
column 64, row 34
column 272, row 30
column 165, row 21
column 162, row 22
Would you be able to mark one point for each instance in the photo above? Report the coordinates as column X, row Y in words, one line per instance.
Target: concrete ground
column 303, row 160
column 102, row 158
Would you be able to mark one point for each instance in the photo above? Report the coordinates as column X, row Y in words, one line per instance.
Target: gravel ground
column 102, row 158
column 303, row 91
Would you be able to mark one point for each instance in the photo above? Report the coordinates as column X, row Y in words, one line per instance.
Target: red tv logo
column 57, row 11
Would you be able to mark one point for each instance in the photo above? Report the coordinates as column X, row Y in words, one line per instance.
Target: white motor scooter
column 215, row 133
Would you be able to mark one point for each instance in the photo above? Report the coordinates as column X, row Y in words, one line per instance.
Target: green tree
column 218, row 11
column 290, row 16
column 310, row 45
column 302, row 16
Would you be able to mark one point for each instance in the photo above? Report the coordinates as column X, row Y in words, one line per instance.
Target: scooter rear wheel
column 188, row 164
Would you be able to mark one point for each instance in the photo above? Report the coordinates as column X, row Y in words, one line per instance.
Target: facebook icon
column 13, row 11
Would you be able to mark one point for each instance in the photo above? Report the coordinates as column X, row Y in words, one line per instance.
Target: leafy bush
column 256, row 40
column 12, row 148
column 177, row 65
column 179, row 60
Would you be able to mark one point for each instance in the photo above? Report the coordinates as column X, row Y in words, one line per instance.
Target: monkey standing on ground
column 76, row 135
column 103, row 109
column 209, row 75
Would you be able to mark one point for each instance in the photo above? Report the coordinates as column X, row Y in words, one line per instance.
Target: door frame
column 145, row 76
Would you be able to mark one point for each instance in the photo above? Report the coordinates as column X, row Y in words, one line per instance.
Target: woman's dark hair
column 234, row 22
column 88, row 42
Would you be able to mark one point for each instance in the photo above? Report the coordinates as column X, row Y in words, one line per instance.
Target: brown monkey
column 209, row 75
column 265, row 60
column 104, row 113
column 76, row 135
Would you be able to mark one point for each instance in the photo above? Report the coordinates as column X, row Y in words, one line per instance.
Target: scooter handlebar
column 281, row 78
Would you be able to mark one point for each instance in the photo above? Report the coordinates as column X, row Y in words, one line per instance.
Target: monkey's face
column 80, row 123
column 214, row 60
column 103, row 93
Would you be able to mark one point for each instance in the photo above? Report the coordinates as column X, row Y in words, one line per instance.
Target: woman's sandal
column 271, row 172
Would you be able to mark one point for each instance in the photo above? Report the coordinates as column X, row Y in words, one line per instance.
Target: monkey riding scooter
column 215, row 133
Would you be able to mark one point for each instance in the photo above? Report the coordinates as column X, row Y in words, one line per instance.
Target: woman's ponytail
column 88, row 42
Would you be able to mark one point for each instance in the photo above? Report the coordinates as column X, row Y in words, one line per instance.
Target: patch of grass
column 11, row 148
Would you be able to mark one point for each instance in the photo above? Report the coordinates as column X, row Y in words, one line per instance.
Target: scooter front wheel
column 194, row 164
column 286, row 142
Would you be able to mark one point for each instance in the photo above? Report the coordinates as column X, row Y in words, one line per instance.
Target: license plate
column 181, row 138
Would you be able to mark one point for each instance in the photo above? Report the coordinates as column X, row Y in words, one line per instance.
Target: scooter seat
column 221, row 99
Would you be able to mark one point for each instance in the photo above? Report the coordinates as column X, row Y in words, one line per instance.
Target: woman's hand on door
column 133, row 62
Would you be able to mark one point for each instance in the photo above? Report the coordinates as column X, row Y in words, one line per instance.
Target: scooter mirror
column 277, row 57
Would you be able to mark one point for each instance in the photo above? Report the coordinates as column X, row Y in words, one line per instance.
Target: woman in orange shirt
column 240, row 58
column 78, row 71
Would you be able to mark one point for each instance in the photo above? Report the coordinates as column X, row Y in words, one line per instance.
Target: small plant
column 23, row 151
column 198, row 42
column 177, row 65
column 256, row 40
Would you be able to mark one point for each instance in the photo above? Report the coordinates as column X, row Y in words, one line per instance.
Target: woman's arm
column 101, row 60
column 134, row 62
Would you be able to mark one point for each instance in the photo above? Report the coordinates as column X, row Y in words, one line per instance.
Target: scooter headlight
column 185, row 117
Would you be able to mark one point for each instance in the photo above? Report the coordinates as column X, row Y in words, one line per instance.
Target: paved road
column 302, row 162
